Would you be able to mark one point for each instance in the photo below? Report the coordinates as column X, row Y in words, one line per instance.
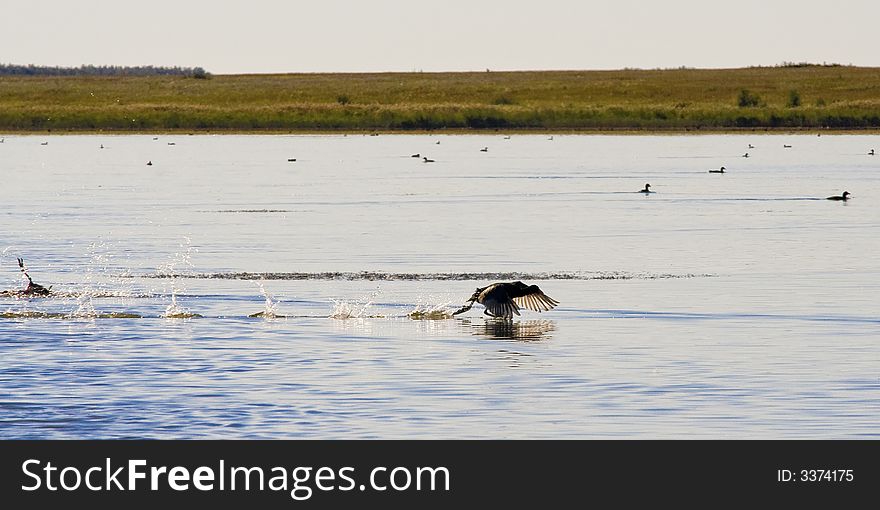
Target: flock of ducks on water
column 501, row 300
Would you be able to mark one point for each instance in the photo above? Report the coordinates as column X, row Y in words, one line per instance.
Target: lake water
column 735, row 305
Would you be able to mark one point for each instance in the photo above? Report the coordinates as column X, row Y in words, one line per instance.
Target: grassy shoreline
column 782, row 99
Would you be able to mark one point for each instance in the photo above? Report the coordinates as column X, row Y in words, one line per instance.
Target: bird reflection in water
column 523, row 331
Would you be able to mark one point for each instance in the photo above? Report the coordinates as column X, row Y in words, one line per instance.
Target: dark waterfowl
column 426, row 160
column 719, row 171
column 871, row 152
column 484, row 149
column 291, row 160
column 786, row 146
column 746, row 155
column 751, row 146
column 149, row 163
column 503, row 300
column 646, row 190
column 32, row 289
column 44, row 143
column 843, row 197
column 417, row 155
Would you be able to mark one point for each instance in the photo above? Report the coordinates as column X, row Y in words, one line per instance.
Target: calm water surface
column 741, row 305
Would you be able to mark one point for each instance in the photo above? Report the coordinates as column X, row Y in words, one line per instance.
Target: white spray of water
column 358, row 309
column 270, row 311
column 430, row 309
column 181, row 259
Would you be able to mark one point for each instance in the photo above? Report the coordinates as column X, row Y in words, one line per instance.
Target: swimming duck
column 786, row 146
column 746, row 155
column 503, row 300
column 843, row 197
column 150, row 163
column 291, row 160
column 871, row 152
column 646, row 190
column 719, row 171
column 32, row 289
column 751, row 146
column 416, row 155
column 426, row 160
column 484, row 149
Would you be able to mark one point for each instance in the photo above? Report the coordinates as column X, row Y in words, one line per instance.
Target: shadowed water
column 226, row 292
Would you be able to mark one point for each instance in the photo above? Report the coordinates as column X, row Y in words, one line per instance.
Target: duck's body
column 844, row 197
column 786, row 146
column 719, row 171
column 646, row 190
column 503, row 300
column 484, row 149
column 426, row 160
column 416, row 156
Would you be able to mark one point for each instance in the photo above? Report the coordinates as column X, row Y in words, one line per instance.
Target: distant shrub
column 502, row 100
column 200, row 74
column 748, row 99
column 343, row 99
column 794, row 99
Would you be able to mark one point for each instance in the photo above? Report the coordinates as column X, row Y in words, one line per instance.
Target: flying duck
column 843, row 197
column 503, row 300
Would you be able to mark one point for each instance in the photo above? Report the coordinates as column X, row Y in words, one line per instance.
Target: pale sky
column 261, row 36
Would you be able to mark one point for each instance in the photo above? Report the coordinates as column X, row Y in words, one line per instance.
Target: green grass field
column 808, row 97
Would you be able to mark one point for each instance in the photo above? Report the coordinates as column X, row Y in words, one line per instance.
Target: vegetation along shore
column 784, row 97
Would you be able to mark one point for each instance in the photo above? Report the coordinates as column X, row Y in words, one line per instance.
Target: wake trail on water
column 383, row 276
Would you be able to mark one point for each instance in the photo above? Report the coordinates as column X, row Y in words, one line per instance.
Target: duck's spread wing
column 531, row 297
column 501, row 308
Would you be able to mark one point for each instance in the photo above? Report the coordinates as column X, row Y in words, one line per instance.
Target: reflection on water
column 526, row 331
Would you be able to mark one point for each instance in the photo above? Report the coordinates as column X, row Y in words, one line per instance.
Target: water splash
column 428, row 312
column 358, row 309
column 181, row 259
column 270, row 310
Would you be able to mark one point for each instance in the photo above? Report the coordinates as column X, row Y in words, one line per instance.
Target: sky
column 273, row 36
